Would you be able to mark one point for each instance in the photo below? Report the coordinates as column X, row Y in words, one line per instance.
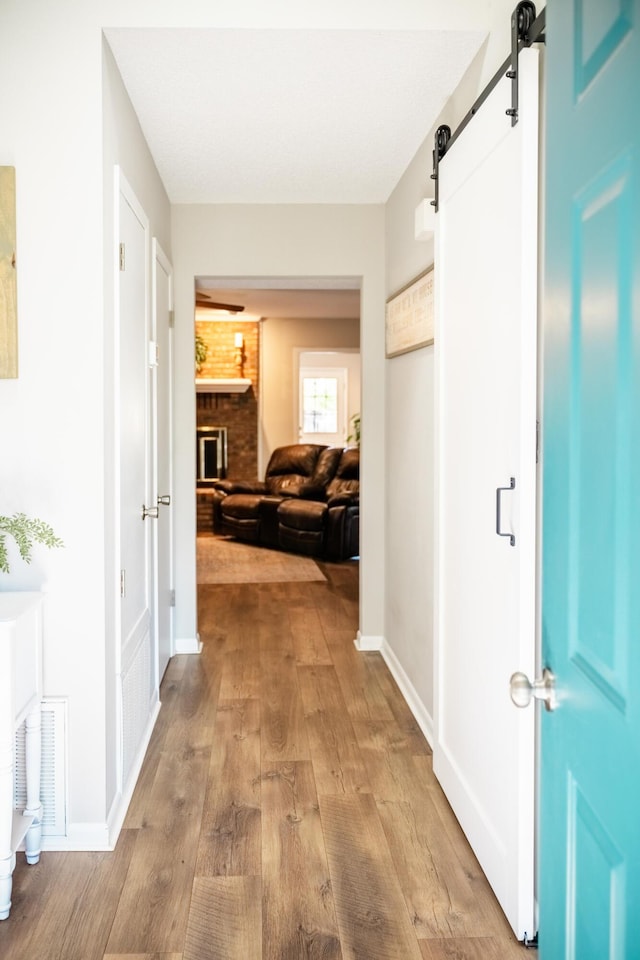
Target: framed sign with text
column 409, row 316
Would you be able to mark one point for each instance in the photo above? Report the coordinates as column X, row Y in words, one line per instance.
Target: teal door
column 589, row 863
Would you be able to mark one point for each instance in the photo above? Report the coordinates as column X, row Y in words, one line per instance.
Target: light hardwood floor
column 286, row 810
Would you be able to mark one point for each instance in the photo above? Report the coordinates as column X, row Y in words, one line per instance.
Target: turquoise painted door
column 589, row 863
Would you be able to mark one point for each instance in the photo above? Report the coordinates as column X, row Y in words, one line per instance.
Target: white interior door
column 486, row 279
column 135, row 472
column 323, row 405
column 162, row 333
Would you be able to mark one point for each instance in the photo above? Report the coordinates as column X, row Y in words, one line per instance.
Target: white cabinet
column 20, row 697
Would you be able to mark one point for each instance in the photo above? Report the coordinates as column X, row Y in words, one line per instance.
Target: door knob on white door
column 149, row 512
column 164, row 501
column 523, row 690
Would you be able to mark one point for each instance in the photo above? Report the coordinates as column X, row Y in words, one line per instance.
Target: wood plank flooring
column 286, row 810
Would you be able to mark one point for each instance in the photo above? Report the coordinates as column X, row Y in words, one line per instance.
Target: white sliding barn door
column 486, row 279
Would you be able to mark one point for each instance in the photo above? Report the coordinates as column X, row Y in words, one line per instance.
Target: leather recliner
column 331, row 527
column 308, row 502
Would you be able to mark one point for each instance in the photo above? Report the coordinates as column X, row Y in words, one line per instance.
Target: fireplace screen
column 211, row 454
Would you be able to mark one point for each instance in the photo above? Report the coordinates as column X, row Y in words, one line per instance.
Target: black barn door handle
column 499, row 490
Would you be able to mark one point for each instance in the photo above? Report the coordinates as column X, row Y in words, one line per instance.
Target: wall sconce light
column 239, row 355
column 425, row 220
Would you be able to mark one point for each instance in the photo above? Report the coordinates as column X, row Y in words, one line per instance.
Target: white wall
column 410, row 409
column 285, row 241
column 51, row 422
column 282, row 343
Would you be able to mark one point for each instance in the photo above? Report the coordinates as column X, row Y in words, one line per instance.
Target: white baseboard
column 122, row 800
column 367, row 644
column 422, row 716
column 81, row 836
column 187, row 645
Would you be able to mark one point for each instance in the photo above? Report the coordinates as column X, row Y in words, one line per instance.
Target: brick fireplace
column 211, row 455
column 234, row 447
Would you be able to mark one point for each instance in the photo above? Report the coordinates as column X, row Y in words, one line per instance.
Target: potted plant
column 201, row 352
column 355, row 436
column 25, row 531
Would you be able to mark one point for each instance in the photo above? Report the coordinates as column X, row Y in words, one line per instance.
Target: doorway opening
column 328, row 398
column 253, row 338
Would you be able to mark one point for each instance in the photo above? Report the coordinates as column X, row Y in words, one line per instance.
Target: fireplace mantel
column 235, row 385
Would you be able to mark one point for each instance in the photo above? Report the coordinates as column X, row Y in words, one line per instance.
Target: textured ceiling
column 287, row 116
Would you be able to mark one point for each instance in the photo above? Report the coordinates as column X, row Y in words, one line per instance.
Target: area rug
column 222, row 560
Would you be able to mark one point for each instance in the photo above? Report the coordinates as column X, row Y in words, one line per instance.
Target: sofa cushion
column 241, row 506
column 309, row 542
column 347, row 475
column 326, row 467
column 291, row 466
column 302, row 514
column 227, row 487
column 301, row 526
column 250, row 516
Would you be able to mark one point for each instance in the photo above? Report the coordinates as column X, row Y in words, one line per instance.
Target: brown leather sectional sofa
column 308, row 502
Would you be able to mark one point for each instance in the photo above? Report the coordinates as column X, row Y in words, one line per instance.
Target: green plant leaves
column 25, row 531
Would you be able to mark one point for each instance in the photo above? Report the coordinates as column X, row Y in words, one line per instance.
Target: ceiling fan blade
column 212, row 305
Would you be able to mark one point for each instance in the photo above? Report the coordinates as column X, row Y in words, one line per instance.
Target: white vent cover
column 52, row 782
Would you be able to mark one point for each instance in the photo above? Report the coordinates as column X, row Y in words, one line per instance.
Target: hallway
column 286, row 810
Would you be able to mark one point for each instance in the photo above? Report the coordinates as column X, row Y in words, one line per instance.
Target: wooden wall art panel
column 409, row 316
column 8, row 285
